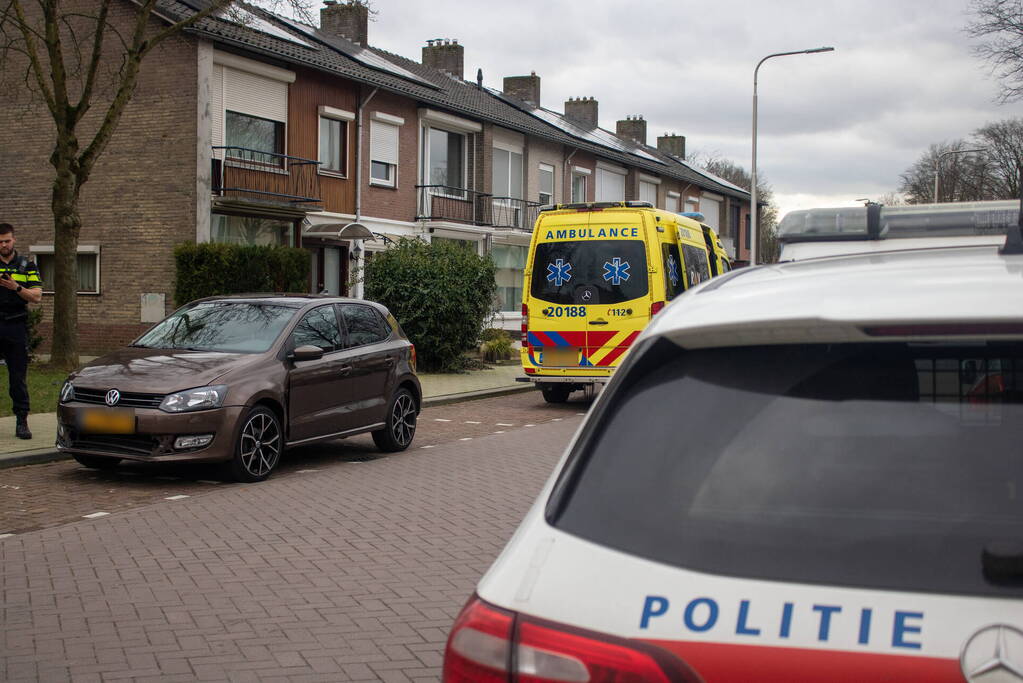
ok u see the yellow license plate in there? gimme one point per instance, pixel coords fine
(108, 421)
(561, 356)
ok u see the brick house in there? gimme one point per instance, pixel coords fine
(258, 129)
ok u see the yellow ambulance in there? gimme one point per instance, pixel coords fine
(596, 273)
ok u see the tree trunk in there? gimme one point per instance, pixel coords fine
(67, 225)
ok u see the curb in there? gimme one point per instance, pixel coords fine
(44, 455)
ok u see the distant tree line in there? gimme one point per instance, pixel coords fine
(964, 175)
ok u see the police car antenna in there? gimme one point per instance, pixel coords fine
(1014, 238)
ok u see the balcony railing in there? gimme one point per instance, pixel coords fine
(243, 173)
(461, 205)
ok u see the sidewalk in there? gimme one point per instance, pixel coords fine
(437, 389)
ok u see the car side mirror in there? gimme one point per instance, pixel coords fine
(307, 352)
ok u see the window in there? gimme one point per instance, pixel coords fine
(251, 230)
(610, 185)
(546, 182)
(697, 267)
(609, 271)
(254, 139)
(578, 187)
(318, 328)
(445, 161)
(838, 464)
(383, 149)
(510, 260)
(671, 204)
(364, 325)
(507, 173)
(88, 268)
(648, 192)
(673, 279)
(333, 145)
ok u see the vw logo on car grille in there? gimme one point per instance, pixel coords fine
(996, 649)
(112, 397)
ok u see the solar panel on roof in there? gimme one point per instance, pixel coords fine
(597, 136)
(362, 55)
(243, 17)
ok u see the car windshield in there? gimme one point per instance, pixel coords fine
(889, 466)
(610, 271)
(236, 327)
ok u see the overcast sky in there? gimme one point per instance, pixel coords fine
(833, 127)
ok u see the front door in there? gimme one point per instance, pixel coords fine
(330, 272)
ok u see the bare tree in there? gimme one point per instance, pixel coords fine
(767, 247)
(998, 24)
(1003, 153)
(70, 57)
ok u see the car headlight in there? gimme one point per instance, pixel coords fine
(200, 398)
(67, 392)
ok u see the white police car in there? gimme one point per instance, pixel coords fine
(810, 471)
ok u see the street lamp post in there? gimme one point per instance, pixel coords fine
(937, 165)
(754, 238)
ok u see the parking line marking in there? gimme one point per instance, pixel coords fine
(178, 497)
(94, 515)
(529, 425)
(467, 438)
(557, 419)
(305, 471)
(6, 535)
(472, 422)
(580, 413)
(440, 419)
(426, 446)
(505, 424)
(499, 431)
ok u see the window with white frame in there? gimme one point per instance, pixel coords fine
(445, 161)
(334, 140)
(507, 174)
(250, 100)
(510, 260)
(648, 192)
(579, 181)
(610, 184)
(383, 149)
(87, 261)
(672, 202)
(546, 183)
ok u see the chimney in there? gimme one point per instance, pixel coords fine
(632, 128)
(582, 110)
(526, 88)
(346, 19)
(444, 55)
(674, 145)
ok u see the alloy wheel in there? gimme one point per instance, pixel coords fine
(403, 419)
(260, 445)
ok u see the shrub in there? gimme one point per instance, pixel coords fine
(212, 269)
(440, 292)
(35, 316)
(497, 345)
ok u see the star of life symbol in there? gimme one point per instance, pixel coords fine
(995, 654)
(559, 272)
(673, 270)
(616, 271)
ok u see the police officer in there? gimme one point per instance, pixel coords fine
(20, 285)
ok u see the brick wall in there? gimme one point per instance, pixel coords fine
(140, 200)
(385, 202)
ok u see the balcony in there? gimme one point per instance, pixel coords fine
(264, 177)
(461, 205)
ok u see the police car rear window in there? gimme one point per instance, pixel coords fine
(589, 271)
(886, 466)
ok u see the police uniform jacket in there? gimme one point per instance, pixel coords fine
(25, 273)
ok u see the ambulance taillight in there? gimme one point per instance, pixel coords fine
(484, 638)
(525, 325)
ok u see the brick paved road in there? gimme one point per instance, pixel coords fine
(350, 572)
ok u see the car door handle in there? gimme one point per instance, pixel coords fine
(344, 369)
(598, 322)
(389, 362)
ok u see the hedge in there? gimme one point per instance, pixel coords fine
(441, 293)
(213, 269)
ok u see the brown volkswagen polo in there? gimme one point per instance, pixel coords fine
(240, 379)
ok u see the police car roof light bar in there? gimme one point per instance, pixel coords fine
(1014, 238)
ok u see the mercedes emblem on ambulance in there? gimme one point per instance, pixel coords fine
(112, 397)
(994, 653)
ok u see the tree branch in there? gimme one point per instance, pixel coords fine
(28, 35)
(85, 101)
